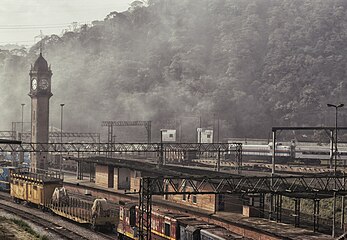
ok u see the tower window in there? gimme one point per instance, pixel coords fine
(34, 115)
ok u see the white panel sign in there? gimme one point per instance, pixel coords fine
(206, 136)
(168, 135)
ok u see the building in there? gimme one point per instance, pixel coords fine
(40, 93)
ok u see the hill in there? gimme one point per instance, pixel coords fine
(250, 63)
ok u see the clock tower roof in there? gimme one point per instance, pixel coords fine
(41, 64)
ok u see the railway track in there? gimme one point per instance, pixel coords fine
(63, 233)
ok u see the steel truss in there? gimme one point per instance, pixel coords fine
(94, 136)
(119, 147)
(279, 185)
(111, 124)
(145, 203)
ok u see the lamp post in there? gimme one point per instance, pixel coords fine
(336, 109)
(335, 170)
(21, 137)
(61, 136)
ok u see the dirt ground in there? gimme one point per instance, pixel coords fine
(9, 230)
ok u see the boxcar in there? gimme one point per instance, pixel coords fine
(36, 188)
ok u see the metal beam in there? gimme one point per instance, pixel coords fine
(146, 124)
(275, 185)
(307, 128)
(119, 147)
(93, 136)
(286, 185)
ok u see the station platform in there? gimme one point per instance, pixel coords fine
(256, 228)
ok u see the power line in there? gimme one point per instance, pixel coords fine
(32, 28)
(32, 25)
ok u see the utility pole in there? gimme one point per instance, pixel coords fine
(61, 137)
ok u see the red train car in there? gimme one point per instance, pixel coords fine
(165, 225)
(169, 226)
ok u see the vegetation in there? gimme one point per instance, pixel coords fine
(24, 226)
(250, 63)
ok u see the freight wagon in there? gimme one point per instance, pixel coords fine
(40, 189)
(169, 225)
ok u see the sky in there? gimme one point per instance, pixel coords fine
(22, 20)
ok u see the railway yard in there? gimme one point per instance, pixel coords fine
(119, 178)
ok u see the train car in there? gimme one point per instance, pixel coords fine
(219, 233)
(192, 231)
(36, 188)
(165, 225)
(5, 178)
(127, 227)
(98, 214)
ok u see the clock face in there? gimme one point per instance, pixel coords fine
(44, 84)
(34, 84)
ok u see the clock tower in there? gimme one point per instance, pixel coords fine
(40, 93)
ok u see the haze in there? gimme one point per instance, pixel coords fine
(22, 20)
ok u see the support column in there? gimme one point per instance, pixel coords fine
(109, 141)
(297, 212)
(273, 152)
(90, 172)
(262, 204)
(334, 216)
(79, 170)
(316, 215)
(271, 209)
(342, 212)
(218, 161)
(331, 150)
(278, 207)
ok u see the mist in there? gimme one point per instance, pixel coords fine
(230, 60)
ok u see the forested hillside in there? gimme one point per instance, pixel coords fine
(251, 63)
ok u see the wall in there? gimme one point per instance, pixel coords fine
(124, 176)
(115, 179)
(135, 180)
(206, 201)
(101, 175)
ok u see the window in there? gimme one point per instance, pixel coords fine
(208, 136)
(121, 212)
(194, 199)
(167, 229)
(170, 135)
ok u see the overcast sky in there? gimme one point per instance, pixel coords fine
(22, 20)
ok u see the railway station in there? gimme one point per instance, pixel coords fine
(180, 176)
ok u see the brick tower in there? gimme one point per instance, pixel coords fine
(40, 93)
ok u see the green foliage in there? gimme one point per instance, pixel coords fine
(253, 63)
